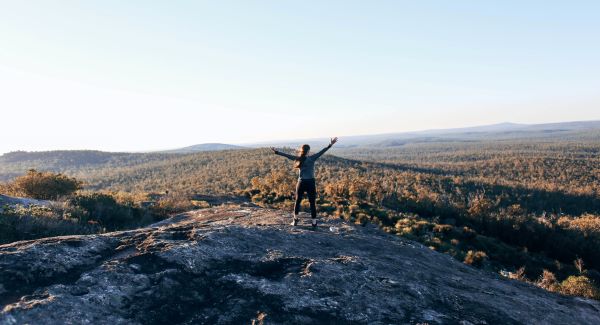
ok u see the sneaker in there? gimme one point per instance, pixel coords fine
(314, 223)
(294, 222)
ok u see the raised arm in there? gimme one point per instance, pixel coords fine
(283, 154)
(320, 153)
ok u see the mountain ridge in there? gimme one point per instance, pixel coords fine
(368, 139)
(454, 134)
(204, 147)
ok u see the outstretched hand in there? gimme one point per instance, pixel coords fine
(333, 141)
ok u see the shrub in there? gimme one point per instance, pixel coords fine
(422, 227)
(588, 224)
(104, 209)
(88, 213)
(518, 275)
(361, 219)
(468, 233)
(200, 204)
(23, 223)
(548, 281)
(45, 185)
(579, 286)
(475, 258)
(443, 229)
(479, 205)
(326, 208)
(173, 203)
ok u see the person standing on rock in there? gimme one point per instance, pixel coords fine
(305, 164)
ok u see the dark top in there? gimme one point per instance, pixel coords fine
(307, 170)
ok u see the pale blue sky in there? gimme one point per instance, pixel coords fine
(141, 75)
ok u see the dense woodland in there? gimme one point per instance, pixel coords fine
(529, 209)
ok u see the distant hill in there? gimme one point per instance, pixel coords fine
(82, 163)
(205, 147)
(503, 131)
(16, 163)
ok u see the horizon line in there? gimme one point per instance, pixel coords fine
(266, 142)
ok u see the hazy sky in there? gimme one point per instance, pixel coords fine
(139, 75)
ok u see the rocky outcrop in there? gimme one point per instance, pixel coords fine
(12, 201)
(245, 265)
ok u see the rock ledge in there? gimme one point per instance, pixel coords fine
(239, 265)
